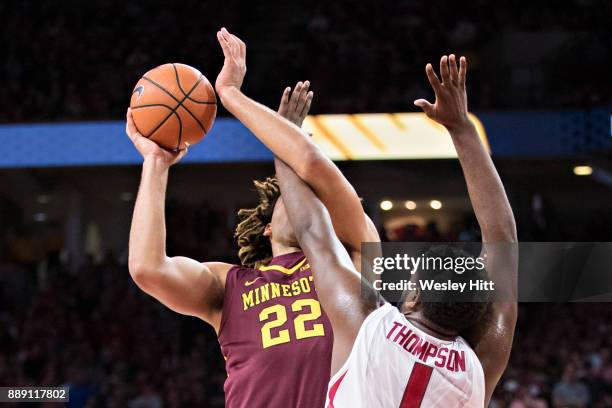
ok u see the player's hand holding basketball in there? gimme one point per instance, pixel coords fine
(234, 66)
(450, 107)
(148, 148)
(294, 106)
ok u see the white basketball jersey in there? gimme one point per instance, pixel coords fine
(395, 364)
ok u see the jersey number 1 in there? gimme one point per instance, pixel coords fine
(417, 385)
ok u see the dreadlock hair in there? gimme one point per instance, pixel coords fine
(254, 248)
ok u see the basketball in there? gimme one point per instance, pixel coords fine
(173, 104)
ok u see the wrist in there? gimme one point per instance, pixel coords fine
(465, 125)
(155, 163)
(227, 92)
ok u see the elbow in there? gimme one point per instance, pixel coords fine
(139, 273)
(312, 164)
(303, 230)
(509, 229)
(143, 273)
(504, 231)
(311, 236)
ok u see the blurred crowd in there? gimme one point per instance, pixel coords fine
(114, 346)
(561, 358)
(94, 331)
(66, 62)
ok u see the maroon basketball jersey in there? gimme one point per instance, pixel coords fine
(275, 338)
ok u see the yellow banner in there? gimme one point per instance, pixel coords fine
(376, 136)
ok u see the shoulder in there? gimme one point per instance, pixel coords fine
(371, 232)
(225, 276)
(384, 313)
(219, 270)
(229, 274)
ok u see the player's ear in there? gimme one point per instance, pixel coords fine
(417, 300)
(268, 230)
(412, 302)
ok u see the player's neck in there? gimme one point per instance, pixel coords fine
(429, 327)
(279, 248)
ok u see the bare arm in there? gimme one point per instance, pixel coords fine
(492, 340)
(289, 143)
(182, 284)
(337, 282)
(294, 107)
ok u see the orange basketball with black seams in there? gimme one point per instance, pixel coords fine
(173, 104)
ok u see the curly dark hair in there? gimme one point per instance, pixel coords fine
(452, 310)
(254, 248)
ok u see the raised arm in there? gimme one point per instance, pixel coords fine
(337, 282)
(289, 143)
(182, 284)
(492, 340)
(485, 188)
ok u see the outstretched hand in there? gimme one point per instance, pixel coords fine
(294, 106)
(234, 66)
(450, 107)
(148, 148)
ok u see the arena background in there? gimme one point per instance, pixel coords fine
(69, 311)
